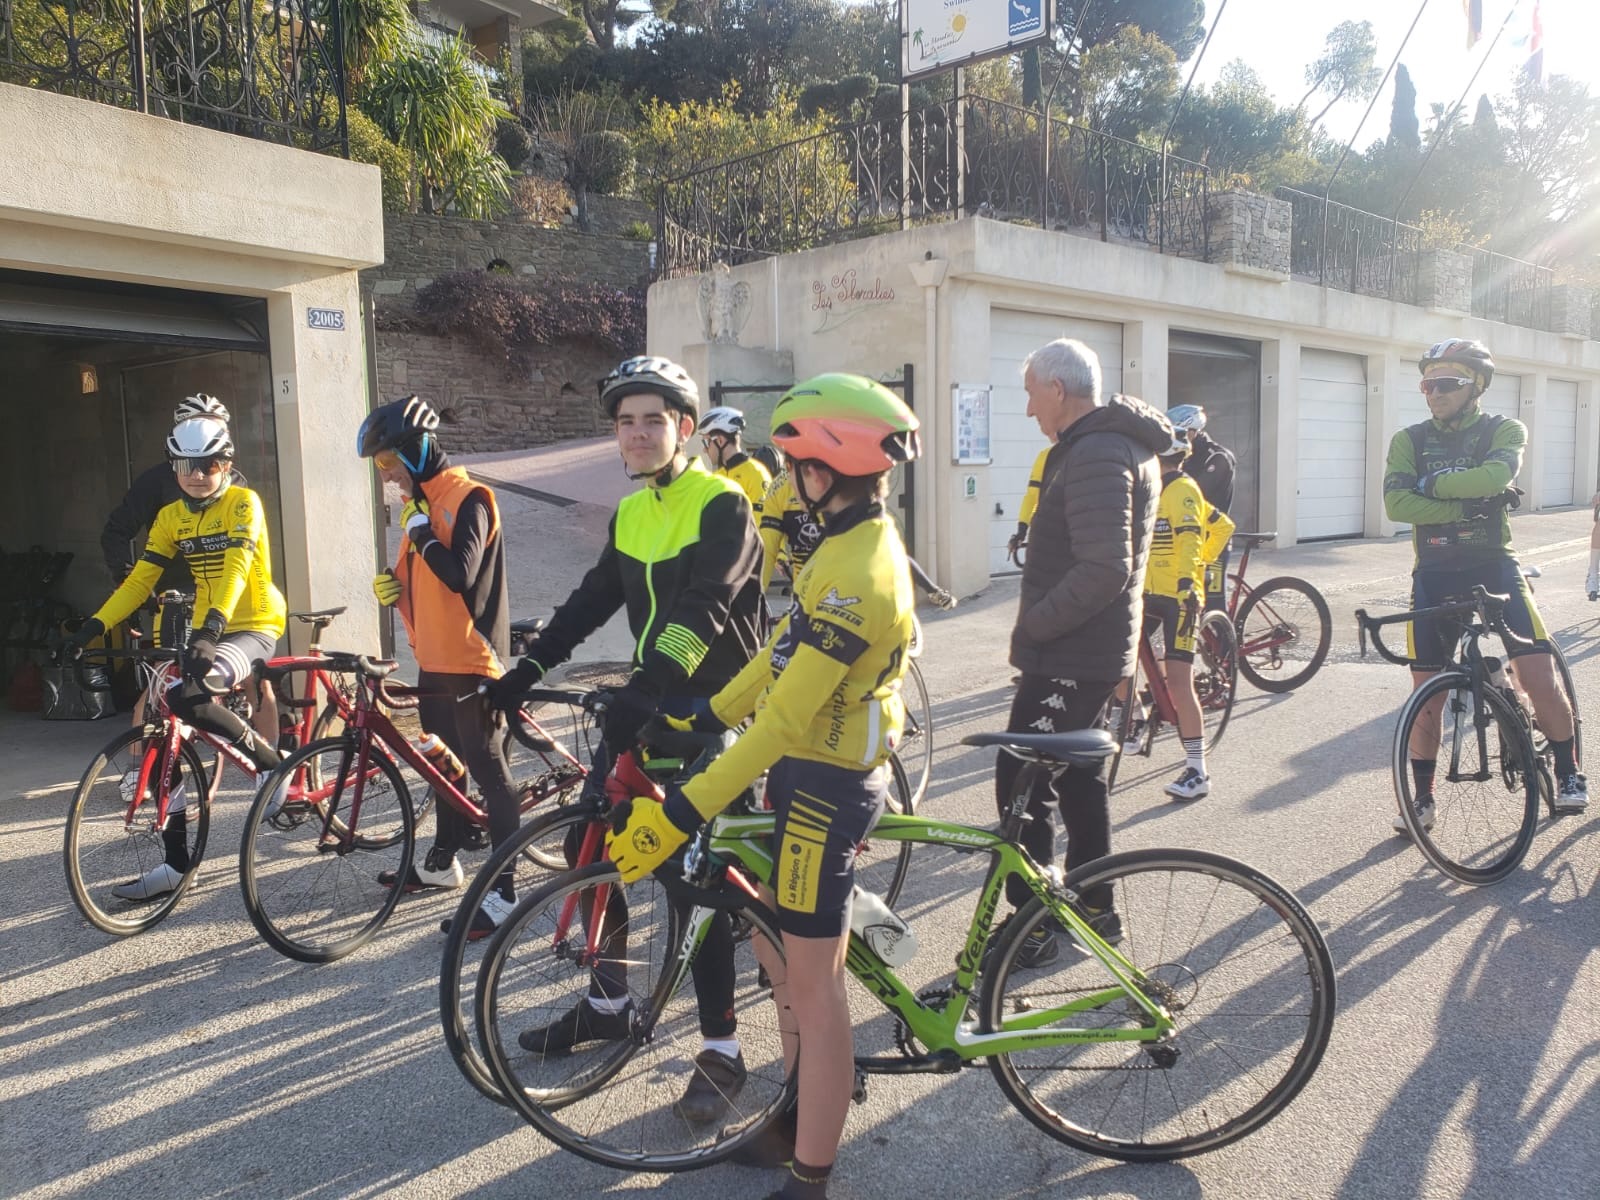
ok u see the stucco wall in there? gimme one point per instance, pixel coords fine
(993, 265)
(119, 195)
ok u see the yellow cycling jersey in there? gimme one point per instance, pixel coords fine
(751, 477)
(827, 686)
(1030, 498)
(227, 550)
(1188, 533)
(787, 528)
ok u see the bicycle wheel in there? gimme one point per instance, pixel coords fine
(540, 774)
(1216, 674)
(537, 844)
(330, 723)
(1233, 957)
(882, 864)
(310, 869)
(614, 1102)
(1126, 723)
(916, 742)
(1485, 784)
(108, 846)
(1284, 633)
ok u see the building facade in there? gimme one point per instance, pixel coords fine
(1305, 382)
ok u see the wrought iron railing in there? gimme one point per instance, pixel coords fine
(958, 157)
(268, 69)
(1354, 251)
(1510, 290)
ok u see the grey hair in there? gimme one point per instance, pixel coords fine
(1071, 364)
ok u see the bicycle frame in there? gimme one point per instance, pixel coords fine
(943, 1030)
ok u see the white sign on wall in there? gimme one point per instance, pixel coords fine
(936, 35)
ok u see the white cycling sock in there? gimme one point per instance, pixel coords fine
(1594, 561)
(727, 1047)
(1194, 753)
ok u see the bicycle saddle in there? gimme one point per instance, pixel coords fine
(1077, 747)
(527, 625)
(322, 615)
(1255, 539)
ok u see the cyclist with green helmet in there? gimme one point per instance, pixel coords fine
(825, 695)
(1450, 478)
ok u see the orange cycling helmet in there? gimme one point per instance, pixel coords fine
(852, 425)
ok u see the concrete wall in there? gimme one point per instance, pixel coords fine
(119, 195)
(993, 265)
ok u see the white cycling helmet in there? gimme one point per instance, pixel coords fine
(200, 405)
(1180, 443)
(723, 420)
(1187, 416)
(649, 373)
(200, 437)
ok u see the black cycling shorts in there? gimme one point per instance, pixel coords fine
(1177, 625)
(1426, 643)
(824, 812)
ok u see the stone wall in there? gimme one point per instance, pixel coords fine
(500, 410)
(1250, 233)
(1571, 310)
(551, 402)
(1443, 279)
(418, 249)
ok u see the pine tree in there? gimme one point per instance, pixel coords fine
(1404, 131)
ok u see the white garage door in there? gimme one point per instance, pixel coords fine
(1558, 443)
(1014, 437)
(1332, 453)
(1504, 397)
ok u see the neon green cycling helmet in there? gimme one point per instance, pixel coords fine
(851, 424)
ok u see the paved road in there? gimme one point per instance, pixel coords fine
(195, 1062)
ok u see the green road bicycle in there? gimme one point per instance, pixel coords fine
(1203, 1021)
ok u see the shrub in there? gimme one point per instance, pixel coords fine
(368, 145)
(493, 312)
(543, 201)
(639, 231)
(513, 143)
(609, 157)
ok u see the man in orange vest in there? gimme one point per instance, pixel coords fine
(449, 587)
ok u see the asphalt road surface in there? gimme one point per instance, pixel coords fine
(193, 1061)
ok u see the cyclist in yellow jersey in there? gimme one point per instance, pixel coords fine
(1030, 503)
(721, 431)
(789, 531)
(1188, 534)
(220, 530)
(825, 695)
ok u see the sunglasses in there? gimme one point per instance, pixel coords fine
(387, 460)
(1443, 385)
(199, 466)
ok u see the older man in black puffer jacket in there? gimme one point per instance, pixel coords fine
(1082, 599)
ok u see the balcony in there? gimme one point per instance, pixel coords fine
(265, 69)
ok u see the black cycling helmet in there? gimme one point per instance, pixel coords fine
(404, 426)
(649, 373)
(1462, 352)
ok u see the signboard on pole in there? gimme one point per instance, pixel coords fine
(936, 35)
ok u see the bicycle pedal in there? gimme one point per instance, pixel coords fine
(476, 838)
(858, 1094)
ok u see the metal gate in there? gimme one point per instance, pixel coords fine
(731, 393)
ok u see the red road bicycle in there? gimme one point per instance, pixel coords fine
(338, 813)
(126, 804)
(1283, 625)
(1216, 682)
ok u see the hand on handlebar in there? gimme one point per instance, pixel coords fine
(941, 598)
(506, 692)
(645, 833)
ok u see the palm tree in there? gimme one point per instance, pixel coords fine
(434, 100)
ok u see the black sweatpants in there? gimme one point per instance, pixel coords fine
(469, 724)
(1044, 705)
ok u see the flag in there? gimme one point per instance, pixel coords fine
(1474, 11)
(1534, 67)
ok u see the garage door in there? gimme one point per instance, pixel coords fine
(1014, 436)
(1558, 444)
(1331, 458)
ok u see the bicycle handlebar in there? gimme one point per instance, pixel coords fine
(1484, 604)
(152, 654)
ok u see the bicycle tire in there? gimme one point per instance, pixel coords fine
(1259, 604)
(585, 1113)
(295, 927)
(1217, 686)
(1123, 733)
(456, 980)
(1257, 933)
(916, 742)
(97, 805)
(330, 723)
(538, 773)
(1460, 824)
(1564, 677)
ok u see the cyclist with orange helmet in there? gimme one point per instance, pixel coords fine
(825, 695)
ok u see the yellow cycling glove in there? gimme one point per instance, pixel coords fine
(416, 509)
(647, 840)
(386, 588)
